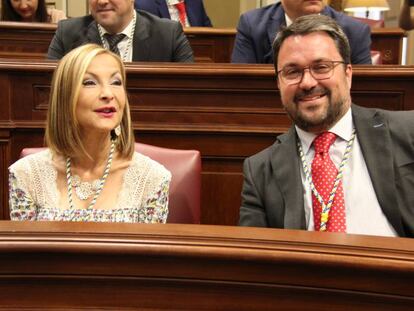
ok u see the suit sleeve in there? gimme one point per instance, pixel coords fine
(361, 46)
(56, 49)
(206, 19)
(182, 50)
(252, 212)
(243, 50)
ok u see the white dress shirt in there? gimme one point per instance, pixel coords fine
(363, 212)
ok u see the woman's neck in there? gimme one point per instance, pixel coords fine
(97, 147)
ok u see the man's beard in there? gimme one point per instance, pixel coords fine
(333, 113)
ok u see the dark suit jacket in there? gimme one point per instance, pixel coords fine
(155, 39)
(272, 194)
(196, 13)
(258, 28)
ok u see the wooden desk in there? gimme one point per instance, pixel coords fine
(31, 41)
(211, 45)
(25, 40)
(226, 111)
(78, 266)
(389, 41)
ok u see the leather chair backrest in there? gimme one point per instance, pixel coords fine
(185, 186)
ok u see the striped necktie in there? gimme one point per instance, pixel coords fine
(113, 41)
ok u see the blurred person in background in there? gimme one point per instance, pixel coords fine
(117, 26)
(190, 13)
(406, 20)
(29, 11)
(258, 28)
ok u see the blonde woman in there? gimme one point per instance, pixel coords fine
(89, 172)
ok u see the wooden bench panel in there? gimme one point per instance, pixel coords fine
(228, 112)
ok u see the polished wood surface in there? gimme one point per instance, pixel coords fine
(389, 41)
(227, 112)
(211, 45)
(31, 41)
(78, 266)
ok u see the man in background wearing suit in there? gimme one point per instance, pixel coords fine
(340, 167)
(195, 15)
(134, 35)
(258, 28)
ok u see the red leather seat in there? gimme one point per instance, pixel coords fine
(185, 187)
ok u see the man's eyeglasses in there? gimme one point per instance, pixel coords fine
(322, 70)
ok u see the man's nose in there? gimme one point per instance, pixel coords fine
(307, 81)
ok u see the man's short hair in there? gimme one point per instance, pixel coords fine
(314, 23)
(63, 134)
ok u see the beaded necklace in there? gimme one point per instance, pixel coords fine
(326, 207)
(102, 179)
(130, 39)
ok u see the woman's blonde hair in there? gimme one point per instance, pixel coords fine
(63, 134)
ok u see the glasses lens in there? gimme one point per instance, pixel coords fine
(321, 70)
(292, 74)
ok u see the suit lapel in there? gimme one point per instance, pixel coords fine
(93, 34)
(191, 15)
(140, 42)
(374, 138)
(90, 34)
(286, 167)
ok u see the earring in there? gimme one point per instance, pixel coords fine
(118, 130)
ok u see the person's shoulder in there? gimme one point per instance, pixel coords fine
(41, 158)
(76, 22)
(55, 15)
(151, 20)
(143, 162)
(147, 16)
(146, 4)
(344, 20)
(265, 12)
(396, 119)
(403, 117)
(264, 156)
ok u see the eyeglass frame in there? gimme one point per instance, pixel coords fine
(333, 63)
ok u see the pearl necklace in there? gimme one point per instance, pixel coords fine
(130, 39)
(91, 188)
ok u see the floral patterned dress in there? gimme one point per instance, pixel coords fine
(34, 196)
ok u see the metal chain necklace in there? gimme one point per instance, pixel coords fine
(101, 184)
(326, 207)
(130, 39)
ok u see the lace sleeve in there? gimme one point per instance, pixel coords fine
(156, 207)
(21, 204)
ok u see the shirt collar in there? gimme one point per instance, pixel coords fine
(288, 20)
(173, 2)
(343, 129)
(127, 30)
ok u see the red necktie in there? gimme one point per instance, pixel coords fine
(323, 176)
(181, 11)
